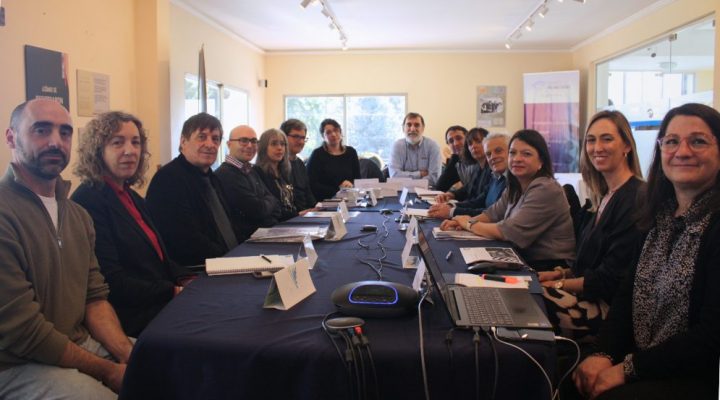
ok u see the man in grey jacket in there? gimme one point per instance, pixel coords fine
(59, 337)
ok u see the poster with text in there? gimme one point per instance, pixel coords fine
(46, 75)
(490, 106)
(552, 108)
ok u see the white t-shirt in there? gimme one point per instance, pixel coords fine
(51, 205)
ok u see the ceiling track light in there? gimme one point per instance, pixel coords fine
(540, 11)
(328, 13)
(543, 11)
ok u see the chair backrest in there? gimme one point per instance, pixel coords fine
(368, 170)
(579, 213)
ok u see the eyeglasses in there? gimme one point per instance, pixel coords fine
(696, 143)
(279, 143)
(298, 137)
(244, 140)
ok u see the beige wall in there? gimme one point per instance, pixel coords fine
(647, 28)
(98, 36)
(227, 60)
(440, 86)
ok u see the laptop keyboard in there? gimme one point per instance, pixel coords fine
(485, 307)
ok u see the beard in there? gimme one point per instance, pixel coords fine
(43, 168)
(413, 139)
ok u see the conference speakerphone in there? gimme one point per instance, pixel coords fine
(374, 299)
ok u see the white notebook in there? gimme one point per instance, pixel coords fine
(241, 265)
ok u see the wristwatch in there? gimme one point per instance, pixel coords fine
(470, 223)
(559, 284)
(629, 368)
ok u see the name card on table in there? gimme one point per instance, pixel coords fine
(373, 197)
(310, 252)
(366, 183)
(290, 286)
(403, 196)
(337, 228)
(343, 210)
(409, 261)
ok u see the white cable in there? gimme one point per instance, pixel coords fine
(549, 382)
(571, 369)
(422, 346)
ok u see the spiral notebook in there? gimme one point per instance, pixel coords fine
(243, 265)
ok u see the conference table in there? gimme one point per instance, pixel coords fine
(216, 341)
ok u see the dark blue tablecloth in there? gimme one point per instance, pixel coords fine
(215, 341)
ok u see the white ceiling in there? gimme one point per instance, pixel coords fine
(398, 25)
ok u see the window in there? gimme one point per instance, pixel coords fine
(228, 104)
(647, 82)
(370, 123)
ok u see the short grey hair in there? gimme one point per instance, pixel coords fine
(498, 135)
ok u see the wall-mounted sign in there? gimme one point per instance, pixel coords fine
(46, 75)
(93, 93)
(491, 106)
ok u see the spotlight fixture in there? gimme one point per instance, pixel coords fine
(529, 25)
(328, 13)
(507, 45)
(543, 11)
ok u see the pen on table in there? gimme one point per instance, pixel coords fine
(500, 278)
(449, 254)
(265, 258)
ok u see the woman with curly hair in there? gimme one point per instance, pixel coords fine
(113, 156)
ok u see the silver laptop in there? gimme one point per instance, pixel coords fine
(483, 306)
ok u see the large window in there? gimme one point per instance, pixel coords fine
(228, 104)
(646, 82)
(370, 123)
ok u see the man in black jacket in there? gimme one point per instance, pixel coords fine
(251, 203)
(186, 200)
(296, 132)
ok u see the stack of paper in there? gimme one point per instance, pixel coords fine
(455, 235)
(284, 234)
(492, 254)
(244, 265)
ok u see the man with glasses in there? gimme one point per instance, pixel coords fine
(296, 132)
(186, 199)
(251, 203)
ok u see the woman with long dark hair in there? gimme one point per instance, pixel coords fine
(533, 212)
(332, 166)
(661, 339)
(273, 166)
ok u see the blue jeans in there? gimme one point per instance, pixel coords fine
(43, 381)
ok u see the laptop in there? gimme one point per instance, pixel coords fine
(483, 306)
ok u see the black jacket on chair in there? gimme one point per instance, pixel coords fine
(182, 214)
(140, 282)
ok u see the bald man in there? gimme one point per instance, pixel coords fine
(250, 202)
(59, 337)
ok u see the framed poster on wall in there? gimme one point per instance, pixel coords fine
(491, 106)
(46, 75)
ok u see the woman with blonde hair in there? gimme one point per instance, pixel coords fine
(578, 297)
(113, 156)
(273, 166)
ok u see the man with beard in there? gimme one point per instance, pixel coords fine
(59, 337)
(415, 156)
(186, 199)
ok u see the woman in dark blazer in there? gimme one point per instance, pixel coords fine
(112, 157)
(578, 298)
